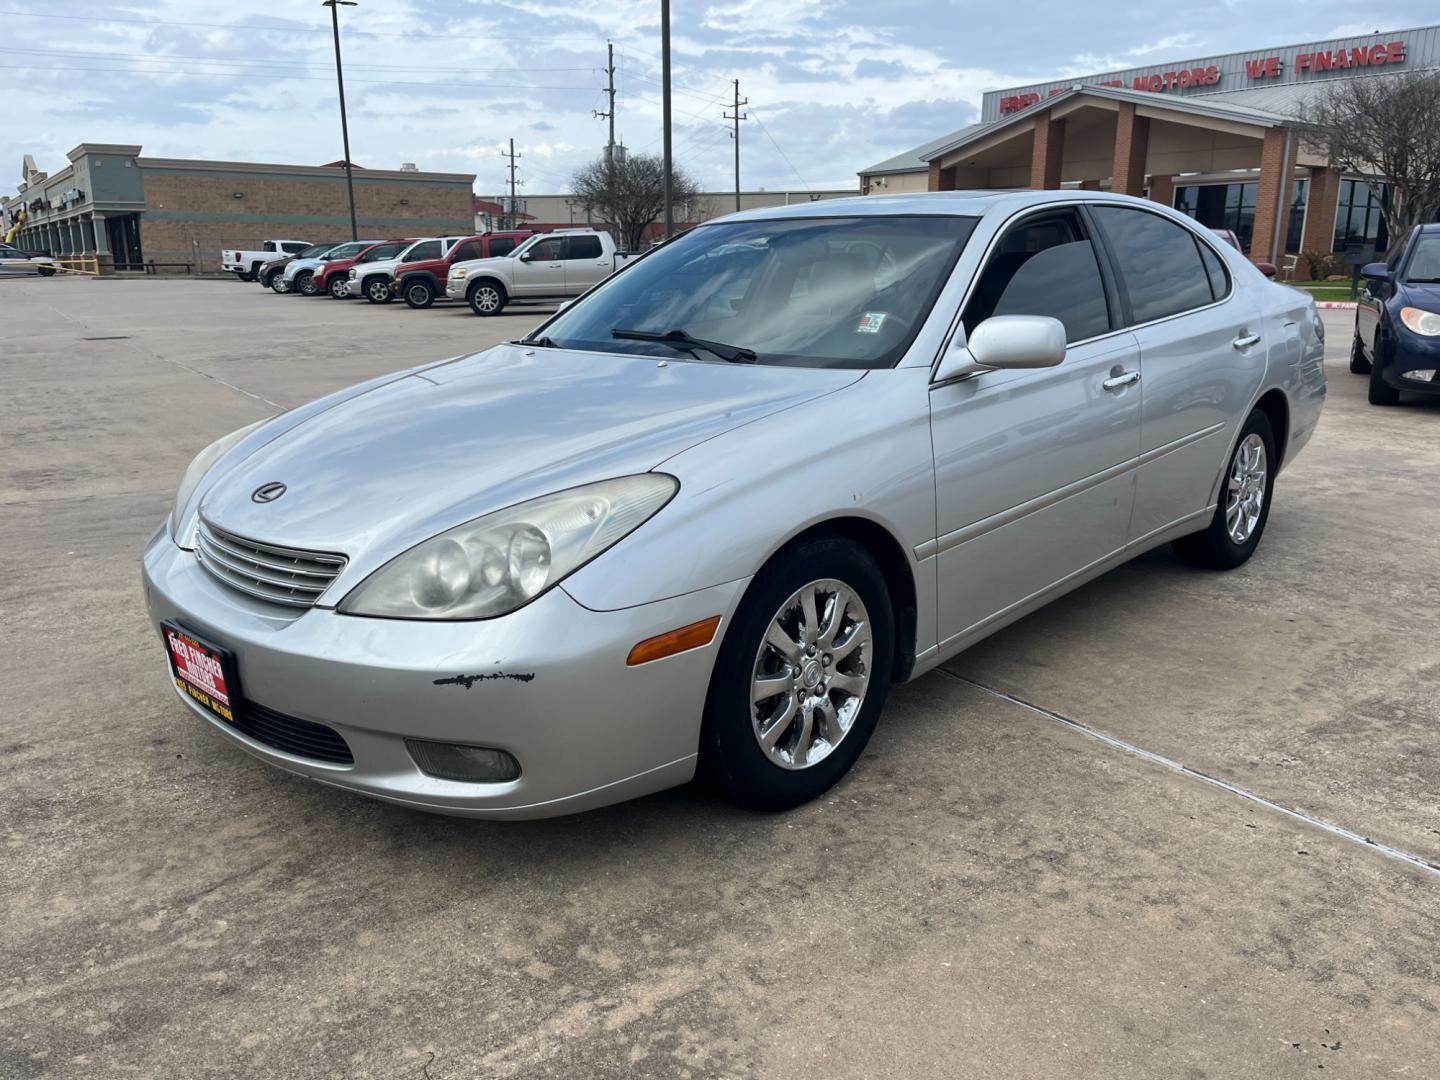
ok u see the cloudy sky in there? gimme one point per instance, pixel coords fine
(834, 85)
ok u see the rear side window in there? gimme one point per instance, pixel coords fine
(1215, 271)
(501, 245)
(293, 248)
(383, 251)
(269, 245)
(1158, 262)
(583, 247)
(1044, 266)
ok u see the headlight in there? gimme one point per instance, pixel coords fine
(456, 275)
(353, 275)
(500, 562)
(1319, 325)
(1426, 323)
(199, 467)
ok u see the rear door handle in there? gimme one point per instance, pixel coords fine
(1117, 382)
(1246, 341)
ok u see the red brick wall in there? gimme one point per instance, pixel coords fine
(1049, 152)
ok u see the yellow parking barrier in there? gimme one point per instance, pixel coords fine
(87, 265)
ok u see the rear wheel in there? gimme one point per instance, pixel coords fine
(247, 275)
(1359, 365)
(338, 289)
(1244, 506)
(801, 676)
(1380, 392)
(47, 271)
(305, 283)
(419, 295)
(486, 297)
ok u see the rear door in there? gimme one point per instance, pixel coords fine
(585, 263)
(1033, 468)
(1202, 355)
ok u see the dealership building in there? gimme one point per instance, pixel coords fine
(169, 215)
(1214, 137)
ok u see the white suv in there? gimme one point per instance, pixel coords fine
(375, 280)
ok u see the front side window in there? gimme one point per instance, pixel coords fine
(429, 249)
(547, 250)
(807, 292)
(1046, 265)
(583, 247)
(1158, 261)
(1424, 265)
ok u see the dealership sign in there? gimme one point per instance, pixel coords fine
(1296, 63)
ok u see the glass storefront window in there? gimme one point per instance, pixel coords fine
(1358, 219)
(1232, 206)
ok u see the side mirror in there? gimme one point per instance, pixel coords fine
(1267, 268)
(527, 257)
(1376, 271)
(1002, 342)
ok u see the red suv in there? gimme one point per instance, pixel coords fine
(421, 282)
(334, 276)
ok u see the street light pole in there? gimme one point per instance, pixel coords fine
(665, 113)
(334, 6)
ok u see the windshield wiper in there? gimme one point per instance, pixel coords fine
(679, 339)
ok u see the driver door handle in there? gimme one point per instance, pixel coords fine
(1123, 379)
(1245, 341)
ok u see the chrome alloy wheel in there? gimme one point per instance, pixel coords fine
(487, 299)
(811, 673)
(1245, 497)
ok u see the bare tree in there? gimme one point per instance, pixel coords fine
(1384, 129)
(631, 197)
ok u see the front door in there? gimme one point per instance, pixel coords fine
(540, 270)
(1034, 469)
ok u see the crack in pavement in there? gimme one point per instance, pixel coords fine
(1195, 774)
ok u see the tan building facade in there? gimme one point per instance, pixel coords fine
(1215, 138)
(165, 215)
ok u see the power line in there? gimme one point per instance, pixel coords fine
(803, 182)
(439, 83)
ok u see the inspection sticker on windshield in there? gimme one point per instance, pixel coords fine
(871, 322)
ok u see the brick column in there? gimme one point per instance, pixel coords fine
(1162, 190)
(933, 183)
(1132, 147)
(1320, 207)
(941, 179)
(1267, 195)
(1089, 185)
(1048, 153)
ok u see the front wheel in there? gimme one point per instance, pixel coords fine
(47, 271)
(277, 283)
(1379, 391)
(801, 676)
(419, 295)
(338, 288)
(1359, 365)
(1244, 506)
(378, 291)
(305, 283)
(487, 298)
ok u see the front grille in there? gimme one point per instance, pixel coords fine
(280, 575)
(299, 737)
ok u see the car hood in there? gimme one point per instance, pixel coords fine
(1423, 296)
(478, 264)
(383, 470)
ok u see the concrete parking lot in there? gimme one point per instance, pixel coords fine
(993, 892)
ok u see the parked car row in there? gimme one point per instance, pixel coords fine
(487, 271)
(18, 260)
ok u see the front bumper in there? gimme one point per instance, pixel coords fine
(1410, 351)
(455, 290)
(586, 729)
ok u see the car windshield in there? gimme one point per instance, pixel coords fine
(1424, 261)
(349, 251)
(314, 251)
(806, 292)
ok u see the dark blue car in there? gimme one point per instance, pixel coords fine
(1397, 322)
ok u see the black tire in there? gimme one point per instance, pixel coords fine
(246, 275)
(1214, 548)
(1380, 392)
(338, 288)
(46, 271)
(419, 295)
(378, 291)
(305, 283)
(730, 752)
(487, 298)
(1359, 365)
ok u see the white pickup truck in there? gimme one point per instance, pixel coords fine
(556, 265)
(247, 263)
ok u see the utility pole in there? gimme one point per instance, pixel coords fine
(737, 116)
(610, 143)
(669, 195)
(334, 6)
(511, 211)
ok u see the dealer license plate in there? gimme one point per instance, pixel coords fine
(202, 671)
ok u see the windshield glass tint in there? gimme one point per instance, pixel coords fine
(1425, 262)
(813, 292)
(348, 251)
(314, 252)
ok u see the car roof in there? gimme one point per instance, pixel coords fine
(957, 203)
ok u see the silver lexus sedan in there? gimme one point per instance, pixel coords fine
(701, 519)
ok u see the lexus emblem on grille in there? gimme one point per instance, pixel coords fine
(266, 493)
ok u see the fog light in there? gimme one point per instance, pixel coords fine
(1424, 375)
(471, 764)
